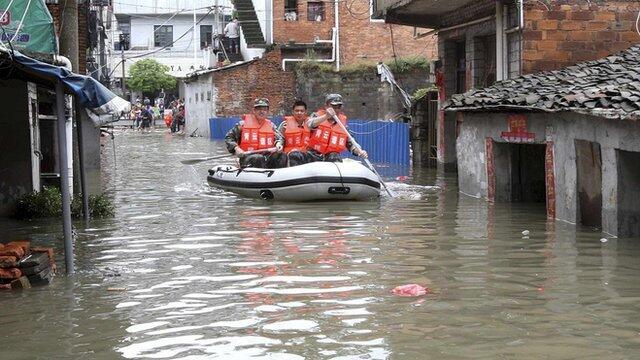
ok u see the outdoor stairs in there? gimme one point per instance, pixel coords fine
(248, 20)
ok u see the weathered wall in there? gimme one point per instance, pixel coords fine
(239, 86)
(301, 30)
(15, 150)
(365, 96)
(566, 32)
(200, 96)
(562, 129)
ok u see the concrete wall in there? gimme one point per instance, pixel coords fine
(142, 34)
(15, 149)
(562, 129)
(201, 97)
(365, 96)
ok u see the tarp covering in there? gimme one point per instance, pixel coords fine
(99, 101)
(28, 25)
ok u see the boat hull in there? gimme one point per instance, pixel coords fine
(349, 180)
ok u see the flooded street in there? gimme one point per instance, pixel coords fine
(205, 274)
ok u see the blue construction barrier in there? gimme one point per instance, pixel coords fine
(386, 142)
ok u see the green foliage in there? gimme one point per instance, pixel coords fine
(48, 203)
(150, 76)
(408, 64)
(308, 67)
(422, 92)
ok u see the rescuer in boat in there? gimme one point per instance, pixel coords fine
(256, 132)
(328, 139)
(295, 131)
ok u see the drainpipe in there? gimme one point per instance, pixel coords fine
(333, 51)
(62, 61)
(337, 34)
(500, 72)
(64, 178)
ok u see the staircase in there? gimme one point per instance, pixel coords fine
(249, 22)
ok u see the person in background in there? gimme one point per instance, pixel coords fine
(328, 139)
(180, 119)
(295, 131)
(256, 132)
(232, 32)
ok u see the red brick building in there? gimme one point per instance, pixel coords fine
(54, 9)
(484, 41)
(298, 24)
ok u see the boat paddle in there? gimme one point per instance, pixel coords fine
(195, 161)
(366, 161)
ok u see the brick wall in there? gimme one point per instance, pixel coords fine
(567, 32)
(360, 38)
(364, 95)
(301, 30)
(54, 9)
(364, 40)
(237, 87)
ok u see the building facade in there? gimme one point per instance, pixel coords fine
(569, 139)
(481, 42)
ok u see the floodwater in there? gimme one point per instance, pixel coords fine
(203, 274)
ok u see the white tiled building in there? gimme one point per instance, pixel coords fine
(163, 30)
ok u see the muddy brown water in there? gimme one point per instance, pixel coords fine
(209, 275)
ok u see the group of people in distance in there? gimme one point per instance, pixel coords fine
(298, 140)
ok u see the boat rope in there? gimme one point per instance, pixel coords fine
(339, 172)
(370, 132)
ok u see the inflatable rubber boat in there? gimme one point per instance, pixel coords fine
(349, 180)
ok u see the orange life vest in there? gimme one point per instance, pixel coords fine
(329, 137)
(255, 136)
(296, 137)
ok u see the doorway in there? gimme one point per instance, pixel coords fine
(589, 183)
(520, 172)
(628, 193)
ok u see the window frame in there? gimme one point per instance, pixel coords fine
(157, 32)
(322, 6)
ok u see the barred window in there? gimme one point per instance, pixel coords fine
(163, 35)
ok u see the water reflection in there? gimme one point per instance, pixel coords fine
(211, 275)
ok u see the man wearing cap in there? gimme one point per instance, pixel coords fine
(256, 132)
(328, 138)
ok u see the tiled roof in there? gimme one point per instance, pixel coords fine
(609, 87)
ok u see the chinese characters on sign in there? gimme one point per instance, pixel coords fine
(518, 130)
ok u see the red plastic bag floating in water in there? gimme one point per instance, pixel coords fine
(402, 178)
(410, 290)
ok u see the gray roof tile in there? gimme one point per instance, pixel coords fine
(608, 87)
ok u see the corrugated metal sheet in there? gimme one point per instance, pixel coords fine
(386, 142)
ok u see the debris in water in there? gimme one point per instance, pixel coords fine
(116, 289)
(603, 240)
(410, 290)
(525, 233)
(402, 178)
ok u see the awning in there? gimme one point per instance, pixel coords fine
(99, 101)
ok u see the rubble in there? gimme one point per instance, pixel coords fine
(23, 266)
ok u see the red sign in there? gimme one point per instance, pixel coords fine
(518, 132)
(5, 18)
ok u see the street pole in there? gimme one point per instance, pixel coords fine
(123, 77)
(195, 45)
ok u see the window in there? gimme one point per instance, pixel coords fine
(206, 34)
(514, 39)
(315, 11)
(376, 10)
(290, 10)
(162, 35)
(209, 95)
(484, 61)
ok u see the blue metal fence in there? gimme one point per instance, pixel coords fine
(386, 142)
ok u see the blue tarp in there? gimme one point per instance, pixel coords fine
(386, 142)
(92, 95)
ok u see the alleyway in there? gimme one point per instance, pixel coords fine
(204, 274)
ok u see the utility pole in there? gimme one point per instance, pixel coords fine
(68, 32)
(123, 42)
(195, 45)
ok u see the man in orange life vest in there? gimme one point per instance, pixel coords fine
(256, 132)
(296, 134)
(328, 139)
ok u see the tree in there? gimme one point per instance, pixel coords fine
(150, 76)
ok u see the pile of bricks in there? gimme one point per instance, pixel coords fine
(23, 266)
